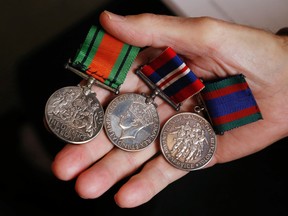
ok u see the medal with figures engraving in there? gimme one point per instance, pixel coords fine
(130, 122)
(187, 141)
(74, 114)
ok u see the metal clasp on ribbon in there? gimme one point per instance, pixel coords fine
(170, 78)
(90, 79)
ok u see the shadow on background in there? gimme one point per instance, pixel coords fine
(255, 184)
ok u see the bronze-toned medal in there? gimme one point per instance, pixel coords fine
(188, 141)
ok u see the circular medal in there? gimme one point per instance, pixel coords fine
(74, 114)
(187, 141)
(130, 123)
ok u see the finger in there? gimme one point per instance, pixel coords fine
(161, 31)
(116, 165)
(154, 177)
(73, 159)
(226, 44)
(142, 30)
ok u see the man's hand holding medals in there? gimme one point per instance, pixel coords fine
(191, 99)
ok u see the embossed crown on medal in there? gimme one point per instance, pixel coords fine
(131, 120)
(74, 113)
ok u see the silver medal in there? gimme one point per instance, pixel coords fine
(188, 141)
(74, 114)
(130, 122)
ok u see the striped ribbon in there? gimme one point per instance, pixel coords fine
(171, 75)
(105, 58)
(230, 103)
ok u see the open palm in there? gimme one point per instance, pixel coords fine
(212, 49)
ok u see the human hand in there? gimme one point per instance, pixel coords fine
(212, 49)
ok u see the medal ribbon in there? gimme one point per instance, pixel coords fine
(230, 103)
(171, 75)
(105, 58)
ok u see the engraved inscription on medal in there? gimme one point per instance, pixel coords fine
(74, 115)
(130, 123)
(188, 141)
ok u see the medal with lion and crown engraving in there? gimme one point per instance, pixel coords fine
(74, 113)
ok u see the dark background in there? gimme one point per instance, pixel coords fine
(36, 40)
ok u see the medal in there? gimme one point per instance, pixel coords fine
(188, 141)
(74, 113)
(131, 120)
(131, 123)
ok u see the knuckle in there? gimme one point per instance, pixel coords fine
(209, 30)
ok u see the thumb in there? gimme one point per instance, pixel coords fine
(158, 31)
(219, 44)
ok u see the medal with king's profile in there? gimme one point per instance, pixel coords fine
(130, 122)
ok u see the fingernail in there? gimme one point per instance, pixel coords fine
(114, 17)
